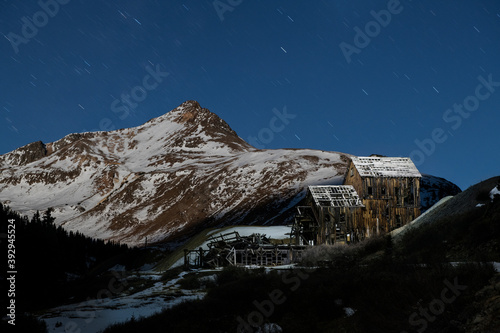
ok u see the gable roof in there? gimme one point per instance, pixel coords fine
(335, 196)
(385, 167)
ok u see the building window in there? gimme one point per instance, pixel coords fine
(352, 172)
(382, 190)
(370, 190)
(411, 198)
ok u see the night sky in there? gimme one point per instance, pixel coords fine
(408, 78)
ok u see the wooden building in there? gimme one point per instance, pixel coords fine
(389, 188)
(231, 249)
(327, 217)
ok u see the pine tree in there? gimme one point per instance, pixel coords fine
(36, 217)
(47, 219)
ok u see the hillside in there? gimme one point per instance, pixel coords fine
(437, 278)
(433, 188)
(464, 227)
(182, 171)
(167, 179)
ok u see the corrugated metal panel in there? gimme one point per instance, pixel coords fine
(385, 167)
(335, 196)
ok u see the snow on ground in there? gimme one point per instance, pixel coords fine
(103, 165)
(421, 219)
(349, 311)
(276, 232)
(496, 265)
(494, 191)
(118, 268)
(97, 314)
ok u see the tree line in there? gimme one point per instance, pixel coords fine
(52, 263)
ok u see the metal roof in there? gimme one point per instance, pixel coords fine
(335, 196)
(385, 167)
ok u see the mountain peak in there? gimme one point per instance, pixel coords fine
(190, 111)
(200, 126)
(27, 154)
(191, 104)
(165, 179)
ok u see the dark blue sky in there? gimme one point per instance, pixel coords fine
(394, 89)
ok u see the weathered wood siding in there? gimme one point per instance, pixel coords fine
(336, 224)
(389, 202)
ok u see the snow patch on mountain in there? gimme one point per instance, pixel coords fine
(166, 179)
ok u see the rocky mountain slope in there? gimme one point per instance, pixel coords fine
(433, 188)
(172, 176)
(179, 171)
(468, 201)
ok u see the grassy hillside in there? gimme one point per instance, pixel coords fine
(375, 286)
(55, 267)
(465, 228)
(379, 297)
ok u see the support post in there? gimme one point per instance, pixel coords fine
(201, 257)
(186, 260)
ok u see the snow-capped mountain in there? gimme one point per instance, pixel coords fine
(433, 188)
(183, 170)
(165, 179)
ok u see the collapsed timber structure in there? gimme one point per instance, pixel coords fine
(379, 194)
(390, 190)
(233, 249)
(327, 216)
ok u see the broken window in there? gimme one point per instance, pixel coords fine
(398, 221)
(411, 195)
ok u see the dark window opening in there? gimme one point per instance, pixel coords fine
(397, 195)
(411, 199)
(398, 221)
(370, 190)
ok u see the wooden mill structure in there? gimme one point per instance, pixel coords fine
(379, 194)
(390, 190)
(233, 249)
(327, 217)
